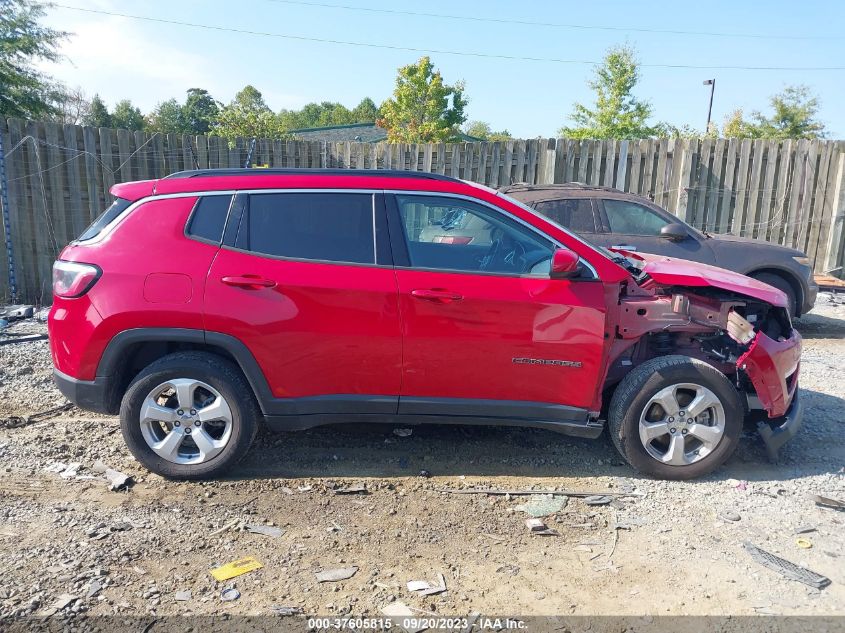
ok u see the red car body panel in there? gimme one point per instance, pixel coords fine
(321, 329)
(773, 368)
(669, 271)
(481, 344)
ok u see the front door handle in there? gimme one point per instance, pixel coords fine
(437, 295)
(248, 281)
(625, 247)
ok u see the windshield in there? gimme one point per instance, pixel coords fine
(616, 258)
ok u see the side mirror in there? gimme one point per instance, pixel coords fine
(675, 232)
(564, 264)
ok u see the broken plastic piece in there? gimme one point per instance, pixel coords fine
(117, 479)
(786, 568)
(230, 595)
(235, 568)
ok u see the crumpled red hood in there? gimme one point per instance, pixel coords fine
(669, 271)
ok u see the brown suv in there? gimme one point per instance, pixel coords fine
(614, 219)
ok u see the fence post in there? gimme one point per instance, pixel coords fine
(7, 226)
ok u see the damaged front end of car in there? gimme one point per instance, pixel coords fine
(737, 325)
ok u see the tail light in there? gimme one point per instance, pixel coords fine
(73, 279)
(452, 239)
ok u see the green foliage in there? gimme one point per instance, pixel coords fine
(328, 113)
(98, 114)
(127, 117)
(423, 109)
(617, 113)
(482, 130)
(196, 116)
(794, 116)
(25, 92)
(365, 112)
(200, 111)
(247, 116)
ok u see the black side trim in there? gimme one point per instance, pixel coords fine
(376, 173)
(115, 351)
(507, 409)
(92, 395)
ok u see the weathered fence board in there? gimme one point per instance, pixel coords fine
(791, 192)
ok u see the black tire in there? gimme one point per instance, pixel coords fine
(783, 285)
(636, 390)
(216, 372)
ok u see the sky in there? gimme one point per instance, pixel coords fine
(149, 62)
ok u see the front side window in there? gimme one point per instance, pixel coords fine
(452, 234)
(576, 215)
(333, 227)
(631, 218)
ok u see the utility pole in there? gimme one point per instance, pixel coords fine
(712, 84)
(7, 226)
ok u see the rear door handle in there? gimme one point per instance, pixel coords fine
(248, 281)
(437, 295)
(625, 247)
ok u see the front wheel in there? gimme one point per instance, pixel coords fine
(189, 415)
(675, 417)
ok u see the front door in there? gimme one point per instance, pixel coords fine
(633, 224)
(303, 287)
(486, 332)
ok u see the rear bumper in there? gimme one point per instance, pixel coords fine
(91, 395)
(779, 431)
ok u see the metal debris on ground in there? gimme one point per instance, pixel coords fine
(266, 530)
(230, 595)
(829, 502)
(235, 568)
(117, 480)
(805, 529)
(403, 432)
(182, 596)
(17, 312)
(597, 500)
(543, 505)
(21, 338)
(15, 422)
(515, 493)
(357, 489)
(786, 568)
(334, 575)
(285, 611)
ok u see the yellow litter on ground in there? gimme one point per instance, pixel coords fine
(803, 543)
(235, 568)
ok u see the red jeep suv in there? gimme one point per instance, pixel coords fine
(200, 304)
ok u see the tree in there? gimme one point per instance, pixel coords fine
(200, 111)
(365, 112)
(167, 118)
(617, 114)
(247, 116)
(423, 109)
(73, 106)
(795, 110)
(24, 91)
(126, 116)
(794, 116)
(98, 114)
(482, 130)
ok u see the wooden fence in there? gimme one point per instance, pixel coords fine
(789, 192)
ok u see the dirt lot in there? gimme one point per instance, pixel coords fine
(666, 549)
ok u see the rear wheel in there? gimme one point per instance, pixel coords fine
(189, 415)
(675, 417)
(783, 285)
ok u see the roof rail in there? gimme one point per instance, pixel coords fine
(240, 171)
(524, 186)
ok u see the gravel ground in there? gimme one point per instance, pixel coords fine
(72, 545)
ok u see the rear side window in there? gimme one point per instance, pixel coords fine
(333, 227)
(209, 218)
(576, 215)
(105, 218)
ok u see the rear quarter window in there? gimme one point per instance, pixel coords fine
(104, 219)
(209, 218)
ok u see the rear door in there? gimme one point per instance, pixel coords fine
(486, 331)
(306, 283)
(576, 214)
(635, 226)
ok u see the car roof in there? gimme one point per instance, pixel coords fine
(528, 193)
(209, 180)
